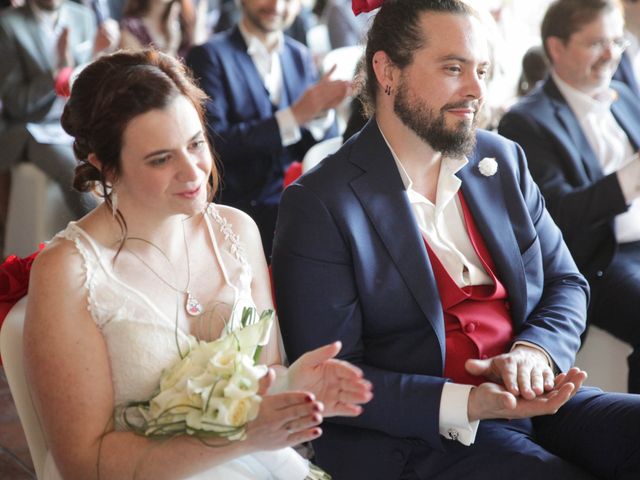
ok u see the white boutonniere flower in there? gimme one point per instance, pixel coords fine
(488, 166)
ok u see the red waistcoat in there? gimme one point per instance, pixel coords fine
(477, 319)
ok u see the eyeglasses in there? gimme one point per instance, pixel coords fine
(615, 46)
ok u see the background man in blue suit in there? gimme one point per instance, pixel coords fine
(267, 106)
(422, 245)
(581, 132)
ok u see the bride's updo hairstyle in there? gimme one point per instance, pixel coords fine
(106, 96)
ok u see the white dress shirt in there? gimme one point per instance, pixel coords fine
(267, 62)
(612, 149)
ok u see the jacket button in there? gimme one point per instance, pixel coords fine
(397, 456)
(599, 273)
(470, 327)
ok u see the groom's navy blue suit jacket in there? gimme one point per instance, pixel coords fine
(581, 198)
(349, 263)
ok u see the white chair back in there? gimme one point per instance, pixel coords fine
(37, 210)
(11, 350)
(319, 151)
(345, 59)
(604, 358)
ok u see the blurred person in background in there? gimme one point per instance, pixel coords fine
(41, 43)
(171, 26)
(267, 106)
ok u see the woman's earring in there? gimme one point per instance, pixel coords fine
(114, 202)
(387, 89)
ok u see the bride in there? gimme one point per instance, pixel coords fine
(114, 293)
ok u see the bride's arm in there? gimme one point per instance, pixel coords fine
(336, 383)
(68, 370)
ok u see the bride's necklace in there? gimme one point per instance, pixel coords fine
(192, 306)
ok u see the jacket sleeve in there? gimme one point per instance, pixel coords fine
(318, 302)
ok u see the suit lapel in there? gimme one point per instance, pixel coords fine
(382, 195)
(251, 76)
(568, 120)
(485, 198)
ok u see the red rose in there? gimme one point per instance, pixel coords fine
(359, 6)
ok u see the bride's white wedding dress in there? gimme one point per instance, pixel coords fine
(141, 341)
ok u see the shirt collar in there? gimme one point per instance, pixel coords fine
(448, 182)
(580, 102)
(255, 45)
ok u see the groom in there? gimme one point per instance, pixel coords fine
(424, 246)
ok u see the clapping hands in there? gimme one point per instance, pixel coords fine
(318, 386)
(339, 385)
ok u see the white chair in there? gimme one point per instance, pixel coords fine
(37, 210)
(11, 351)
(319, 151)
(604, 358)
(345, 59)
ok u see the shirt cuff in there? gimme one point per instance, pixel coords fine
(319, 125)
(289, 128)
(454, 421)
(629, 179)
(540, 349)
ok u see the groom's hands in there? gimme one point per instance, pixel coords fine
(524, 386)
(524, 371)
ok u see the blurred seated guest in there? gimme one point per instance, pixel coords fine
(156, 266)
(345, 28)
(581, 133)
(267, 106)
(231, 11)
(40, 44)
(534, 69)
(163, 25)
(628, 71)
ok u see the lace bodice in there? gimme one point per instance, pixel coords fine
(141, 339)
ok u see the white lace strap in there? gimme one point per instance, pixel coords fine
(235, 246)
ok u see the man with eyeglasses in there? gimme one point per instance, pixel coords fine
(581, 131)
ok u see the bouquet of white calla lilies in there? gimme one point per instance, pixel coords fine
(212, 391)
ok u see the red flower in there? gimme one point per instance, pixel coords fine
(359, 6)
(14, 280)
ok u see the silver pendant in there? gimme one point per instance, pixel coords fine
(193, 306)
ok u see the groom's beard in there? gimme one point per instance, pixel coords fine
(455, 142)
